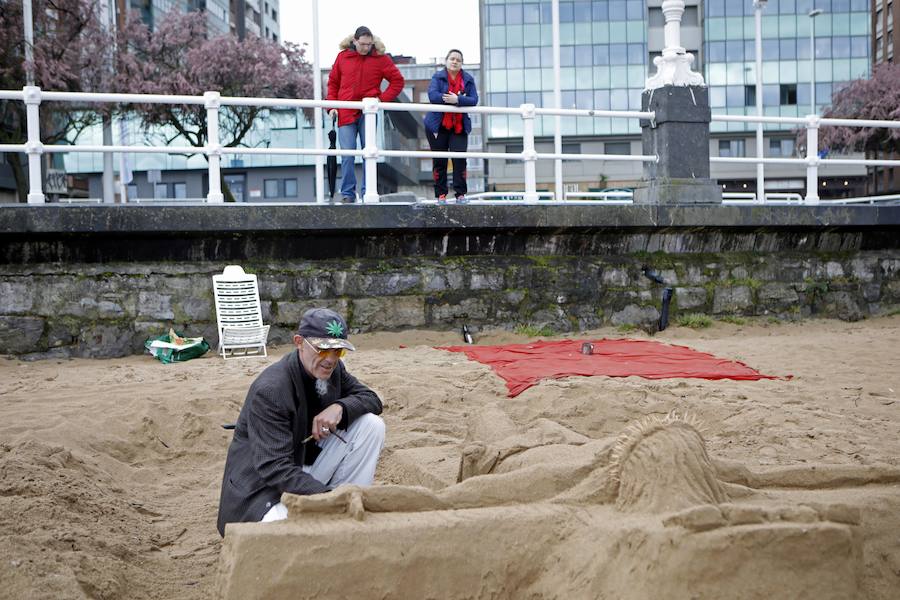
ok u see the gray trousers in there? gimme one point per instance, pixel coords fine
(352, 463)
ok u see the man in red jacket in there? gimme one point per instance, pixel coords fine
(357, 73)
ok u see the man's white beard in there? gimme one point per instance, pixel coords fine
(322, 387)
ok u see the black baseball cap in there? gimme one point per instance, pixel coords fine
(324, 328)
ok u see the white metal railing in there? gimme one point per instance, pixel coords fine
(623, 197)
(213, 150)
(812, 123)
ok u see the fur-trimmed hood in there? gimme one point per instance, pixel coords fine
(347, 44)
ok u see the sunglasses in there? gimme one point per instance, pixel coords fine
(339, 352)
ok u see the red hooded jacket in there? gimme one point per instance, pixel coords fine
(356, 76)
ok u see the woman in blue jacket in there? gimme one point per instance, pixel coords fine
(447, 131)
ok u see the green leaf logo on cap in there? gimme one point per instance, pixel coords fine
(334, 328)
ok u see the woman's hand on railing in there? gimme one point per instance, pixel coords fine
(450, 98)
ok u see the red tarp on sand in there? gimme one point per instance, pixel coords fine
(522, 365)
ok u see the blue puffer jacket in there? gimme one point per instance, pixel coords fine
(439, 86)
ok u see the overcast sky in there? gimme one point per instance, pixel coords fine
(422, 28)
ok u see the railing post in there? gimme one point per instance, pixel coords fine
(370, 152)
(317, 112)
(33, 147)
(812, 160)
(213, 147)
(758, 5)
(529, 155)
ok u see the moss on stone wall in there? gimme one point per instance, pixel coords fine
(85, 310)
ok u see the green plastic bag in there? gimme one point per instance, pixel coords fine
(173, 347)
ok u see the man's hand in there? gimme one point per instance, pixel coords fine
(332, 112)
(327, 419)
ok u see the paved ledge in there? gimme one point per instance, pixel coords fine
(370, 219)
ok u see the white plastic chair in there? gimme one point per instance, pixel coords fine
(239, 315)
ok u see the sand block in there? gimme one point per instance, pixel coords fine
(739, 514)
(698, 518)
(798, 514)
(838, 512)
(534, 550)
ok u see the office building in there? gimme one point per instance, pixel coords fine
(606, 52)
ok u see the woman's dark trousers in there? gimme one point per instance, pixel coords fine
(446, 140)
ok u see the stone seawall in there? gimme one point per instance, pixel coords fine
(58, 297)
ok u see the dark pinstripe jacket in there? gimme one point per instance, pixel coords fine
(265, 457)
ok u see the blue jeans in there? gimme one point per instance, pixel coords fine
(347, 136)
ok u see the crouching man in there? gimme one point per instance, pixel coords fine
(307, 426)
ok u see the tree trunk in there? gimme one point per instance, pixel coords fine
(875, 178)
(14, 161)
(226, 191)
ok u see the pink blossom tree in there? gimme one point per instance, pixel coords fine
(178, 58)
(877, 98)
(72, 52)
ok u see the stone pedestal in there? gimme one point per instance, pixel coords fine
(680, 137)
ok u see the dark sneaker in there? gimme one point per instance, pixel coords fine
(347, 200)
(461, 199)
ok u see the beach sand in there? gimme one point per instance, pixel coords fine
(110, 469)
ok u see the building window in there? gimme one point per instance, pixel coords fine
(691, 16)
(781, 147)
(731, 148)
(531, 13)
(132, 191)
(290, 188)
(270, 188)
(582, 12)
(179, 189)
(161, 190)
(571, 149)
(283, 119)
(496, 15)
(513, 149)
(623, 148)
(514, 14)
(749, 95)
(787, 93)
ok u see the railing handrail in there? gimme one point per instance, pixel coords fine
(213, 101)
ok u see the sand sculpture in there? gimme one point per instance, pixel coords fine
(550, 513)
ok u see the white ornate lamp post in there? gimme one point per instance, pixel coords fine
(674, 66)
(679, 132)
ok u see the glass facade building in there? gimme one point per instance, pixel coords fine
(841, 45)
(603, 56)
(606, 52)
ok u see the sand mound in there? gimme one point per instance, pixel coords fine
(83, 522)
(110, 473)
